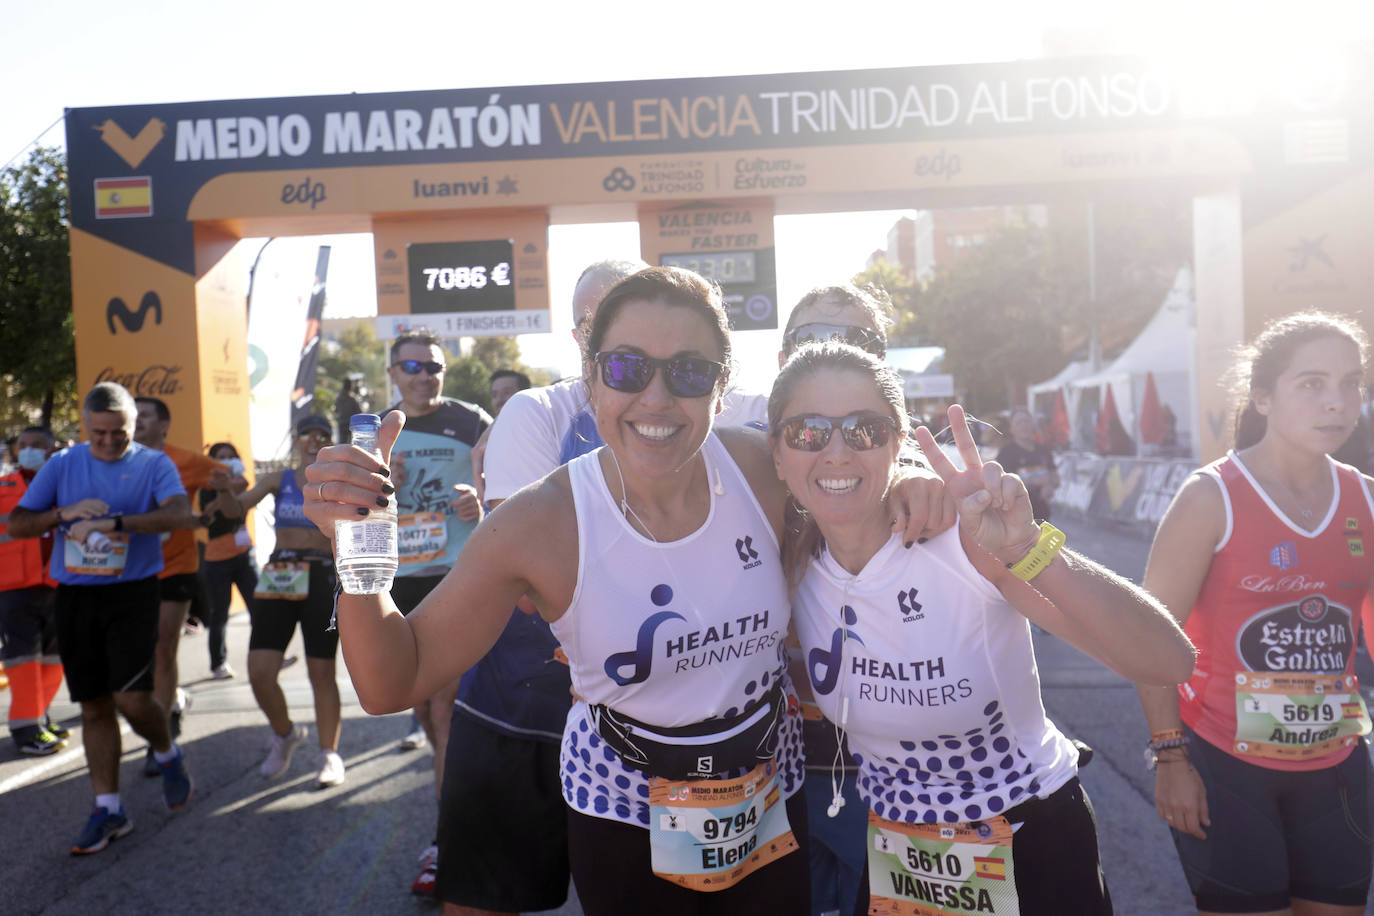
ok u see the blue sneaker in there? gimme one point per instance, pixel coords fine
(100, 829)
(176, 782)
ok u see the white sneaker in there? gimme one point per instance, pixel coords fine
(415, 739)
(223, 673)
(182, 701)
(283, 746)
(331, 770)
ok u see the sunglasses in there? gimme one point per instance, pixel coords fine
(413, 366)
(819, 332)
(860, 431)
(685, 376)
(316, 436)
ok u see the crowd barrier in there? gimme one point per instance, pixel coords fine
(1133, 491)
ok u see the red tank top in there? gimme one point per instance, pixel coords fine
(1284, 604)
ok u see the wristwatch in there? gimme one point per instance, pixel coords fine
(118, 522)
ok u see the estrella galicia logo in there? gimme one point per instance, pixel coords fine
(908, 606)
(1284, 555)
(1312, 608)
(133, 321)
(747, 554)
(824, 665)
(640, 660)
(618, 180)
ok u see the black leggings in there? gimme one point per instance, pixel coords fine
(613, 873)
(220, 577)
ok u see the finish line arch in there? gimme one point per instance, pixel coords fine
(160, 194)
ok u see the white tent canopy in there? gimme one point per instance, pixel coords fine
(1165, 347)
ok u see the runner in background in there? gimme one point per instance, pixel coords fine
(28, 621)
(431, 468)
(1261, 765)
(177, 582)
(1031, 461)
(296, 587)
(228, 557)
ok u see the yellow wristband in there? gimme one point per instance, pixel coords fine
(1046, 548)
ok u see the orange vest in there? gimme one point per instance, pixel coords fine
(21, 561)
(179, 553)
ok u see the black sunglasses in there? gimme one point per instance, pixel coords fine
(860, 431)
(413, 366)
(685, 376)
(819, 332)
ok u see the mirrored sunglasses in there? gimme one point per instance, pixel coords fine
(413, 366)
(860, 431)
(819, 332)
(685, 376)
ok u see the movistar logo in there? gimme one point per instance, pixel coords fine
(640, 660)
(824, 666)
(133, 321)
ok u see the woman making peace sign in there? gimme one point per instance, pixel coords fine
(923, 657)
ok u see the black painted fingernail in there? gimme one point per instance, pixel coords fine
(388, 488)
(385, 472)
(921, 540)
(908, 545)
(381, 502)
(363, 510)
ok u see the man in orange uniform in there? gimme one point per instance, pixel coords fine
(28, 623)
(180, 560)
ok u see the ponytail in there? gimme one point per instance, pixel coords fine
(1250, 426)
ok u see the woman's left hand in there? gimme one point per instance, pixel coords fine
(994, 507)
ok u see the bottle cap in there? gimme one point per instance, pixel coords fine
(364, 421)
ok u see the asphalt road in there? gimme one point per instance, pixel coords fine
(246, 845)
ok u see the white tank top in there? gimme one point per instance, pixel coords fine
(944, 712)
(670, 633)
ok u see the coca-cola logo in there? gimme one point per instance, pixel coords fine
(157, 380)
(1311, 635)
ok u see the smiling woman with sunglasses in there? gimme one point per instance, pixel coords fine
(655, 560)
(922, 658)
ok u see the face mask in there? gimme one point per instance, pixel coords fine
(235, 465)
(31, 459)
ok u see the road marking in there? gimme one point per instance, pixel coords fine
(59, 761)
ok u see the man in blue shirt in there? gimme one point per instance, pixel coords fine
(107, 501)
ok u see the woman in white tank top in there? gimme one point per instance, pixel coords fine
(655, 560)
(922, 656)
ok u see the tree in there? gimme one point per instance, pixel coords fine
(37, 345)
(357, 349)
(901, 292)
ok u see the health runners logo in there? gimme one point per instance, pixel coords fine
(640, 660)
(823, 665)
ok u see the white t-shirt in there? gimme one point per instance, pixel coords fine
(944, 712)
(541, 429)
(670, 633)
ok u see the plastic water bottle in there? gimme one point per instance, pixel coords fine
(365, 550)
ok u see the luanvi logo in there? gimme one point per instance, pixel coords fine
(747, 554)
(133, 321)
(133, 150)
(908, 606)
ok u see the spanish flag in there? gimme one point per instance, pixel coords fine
(986, 867)
(1351, 711)
(122, 197)
(774, 796)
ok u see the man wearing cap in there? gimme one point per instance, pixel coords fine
(431, 466)
(107, 500)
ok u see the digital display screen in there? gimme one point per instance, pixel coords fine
(725, 267)
(461, 276)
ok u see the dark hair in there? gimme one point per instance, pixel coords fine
(872, 299)
(420, 336)
(110, 397)
(672, 286)
(159, 406)
(219, 445)
(802, 538)
(521, 378)
(43, 430)
(1271, 353)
